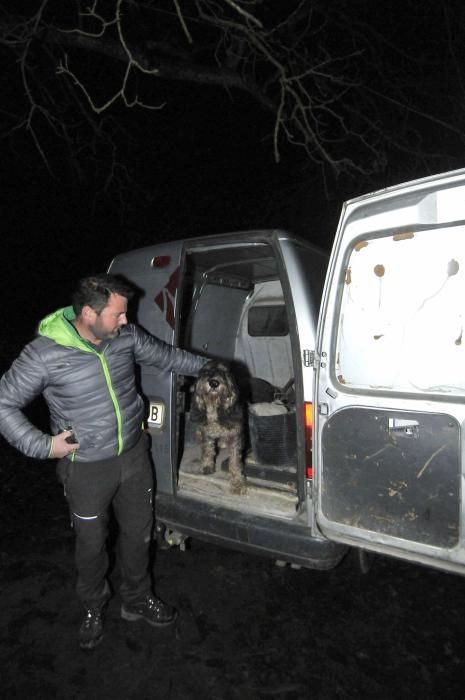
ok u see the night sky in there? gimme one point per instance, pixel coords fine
(212, 174)
(204, 164)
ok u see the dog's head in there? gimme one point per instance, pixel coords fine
(215, 387)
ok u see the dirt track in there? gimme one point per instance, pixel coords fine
(246, 629)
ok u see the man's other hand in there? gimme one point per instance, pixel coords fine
(61, 448)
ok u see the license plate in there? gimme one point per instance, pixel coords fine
(156, 414)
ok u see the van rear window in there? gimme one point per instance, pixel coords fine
(267, 321)
(401, 321)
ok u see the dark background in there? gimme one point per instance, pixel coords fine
(204, 164)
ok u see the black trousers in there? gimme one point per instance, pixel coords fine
(91, 488)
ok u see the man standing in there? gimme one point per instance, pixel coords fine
(83, 363)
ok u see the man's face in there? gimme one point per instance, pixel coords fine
(108, 322)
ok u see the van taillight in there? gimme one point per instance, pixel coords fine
(161, 261)
(308, 408)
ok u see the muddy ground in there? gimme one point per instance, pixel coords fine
(246, 629)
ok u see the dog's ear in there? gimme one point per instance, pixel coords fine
(232, 393)
(198, 409)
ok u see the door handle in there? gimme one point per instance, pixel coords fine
(404, 427)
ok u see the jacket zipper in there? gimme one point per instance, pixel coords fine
(106, 372)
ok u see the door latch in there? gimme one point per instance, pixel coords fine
(309, 358)
(404, 427)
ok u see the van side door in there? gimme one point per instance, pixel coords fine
(390, 375)
(155, 272)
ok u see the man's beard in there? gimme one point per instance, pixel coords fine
(100, 334)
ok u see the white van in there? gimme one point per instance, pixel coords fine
(353, 432)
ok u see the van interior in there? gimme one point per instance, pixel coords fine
(234, 309)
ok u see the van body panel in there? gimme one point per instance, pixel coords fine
(155, 272)
(388, 439)
(396, 473)
(250, 299)
(303, 262)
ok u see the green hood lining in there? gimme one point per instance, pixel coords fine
(58, 327)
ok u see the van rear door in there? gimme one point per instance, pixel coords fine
(390, 375)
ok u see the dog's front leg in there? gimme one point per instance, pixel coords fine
(208, 456)
(237, 483)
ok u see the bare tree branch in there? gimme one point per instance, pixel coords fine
(321, 75)
(181, 19)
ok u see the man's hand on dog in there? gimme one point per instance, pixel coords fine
(61, 448)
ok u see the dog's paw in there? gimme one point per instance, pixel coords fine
(238, 487)
(208, 469)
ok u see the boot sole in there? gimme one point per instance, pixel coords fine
(133, 617)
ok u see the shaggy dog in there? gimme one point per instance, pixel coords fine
(216, 410)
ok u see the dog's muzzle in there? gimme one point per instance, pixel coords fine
(213, 383)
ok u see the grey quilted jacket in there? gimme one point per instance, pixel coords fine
(92, 390)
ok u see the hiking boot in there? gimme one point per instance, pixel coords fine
(151, 609)
(91, 629)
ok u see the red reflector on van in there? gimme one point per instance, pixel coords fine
(308, 414)
(161, 261)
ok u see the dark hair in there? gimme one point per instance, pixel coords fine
(95, 292)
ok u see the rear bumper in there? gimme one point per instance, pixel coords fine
(271, 537)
